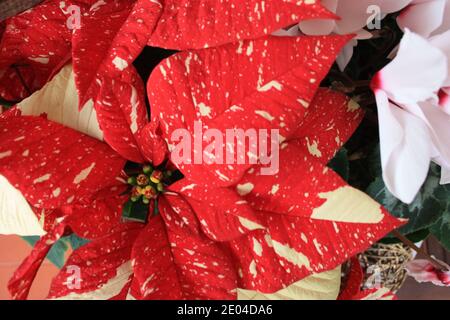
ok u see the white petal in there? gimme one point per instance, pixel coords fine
(416, 74)
(59, 100)
(405, 149)
(354, 15)
(16, 216)
(442, 41)
(438, 122)
(293, 31)
(445, 26)
(423, 17)
(445, 175)
(389, 6)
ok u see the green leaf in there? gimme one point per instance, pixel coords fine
(430, 205)
(135, 211)
(441, 229)
(340, 164)
(75, 241)
(374, 162)
(57, 252)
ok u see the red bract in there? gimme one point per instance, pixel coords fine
(181, 20)
(235, 86)
(305, 217)
(126, 27)
(177, 255)
(110, 38)
(103, 59)
(34, 45)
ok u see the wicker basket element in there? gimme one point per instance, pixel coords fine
(385, 263)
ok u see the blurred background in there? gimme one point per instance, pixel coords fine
(13, 250)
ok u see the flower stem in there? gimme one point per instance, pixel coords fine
(438, 264)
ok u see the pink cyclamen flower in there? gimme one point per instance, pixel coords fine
(354, 16)
(424, 271)
(426, 17)
(413, 123)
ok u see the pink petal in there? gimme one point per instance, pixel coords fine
(389, 6)
(424, 271)
(346, 55)
(417, 72)
(444, 99)
(438, 122)
(353, 14)
(445, 175)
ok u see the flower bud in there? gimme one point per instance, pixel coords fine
(156, 176)
(142, 180)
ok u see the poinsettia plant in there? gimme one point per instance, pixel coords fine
(118, 120)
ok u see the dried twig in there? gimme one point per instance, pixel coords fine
(438, 264)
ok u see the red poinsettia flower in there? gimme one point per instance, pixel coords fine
(232, 232)
(266, 238)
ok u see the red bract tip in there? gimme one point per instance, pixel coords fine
(376, 82)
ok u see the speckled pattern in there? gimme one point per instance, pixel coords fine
(111, 37)
(265, 246)
(226, 21)
(256, 84)
(53, 165)
(36, 43)
(288, 239)
(122, 113)
(221, 227)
